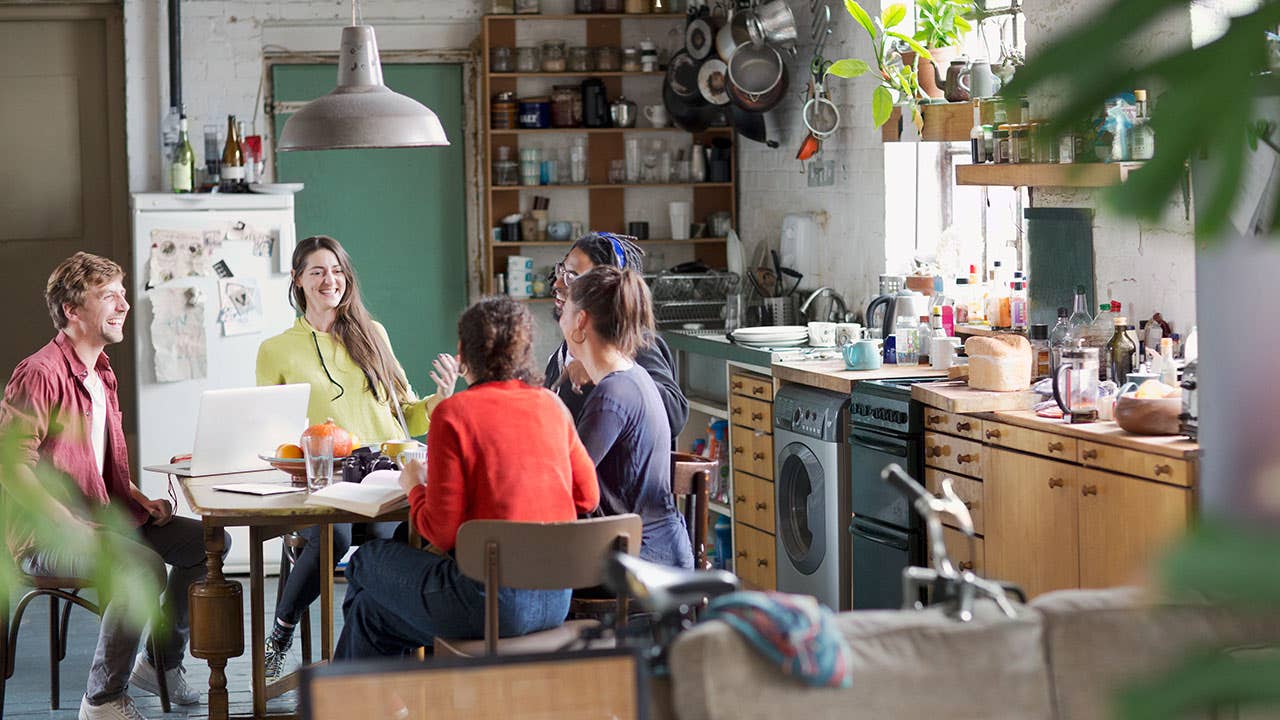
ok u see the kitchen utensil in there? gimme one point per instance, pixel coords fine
(821, 117)
(737, 31)
(1075, 385)
(595, 103)
(638, 229)
(623, 113)
(682, 75)
(983, 83)
(862, 355)
(809, 147)
(691, 114)
(699, 38)
(956, 86)
(757, 77)
(904, 303)
(778, 23)
(713, 81)
(657, 115)
(751, 125)
(1148, 416)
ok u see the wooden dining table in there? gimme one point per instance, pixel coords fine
(217, 605)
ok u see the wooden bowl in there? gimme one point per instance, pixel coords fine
(1148, 416)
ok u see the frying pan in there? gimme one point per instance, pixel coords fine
(682, 75)
(691, 114)
(751, 126)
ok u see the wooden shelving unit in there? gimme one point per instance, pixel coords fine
(1046, 174)
(606, 203)
(943, 122)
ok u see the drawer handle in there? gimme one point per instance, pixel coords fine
(737, 451)
(993, 434)
(757, 416)
(935, 419)
(1056, 482)
(963, 427)
(736, 384)
(742, 553)
(736, 411)
(757, 456)
(739, 498)
(1089, 455)
(966, 565)
(941, 450)
(762, 563)
(962, 459)
(1164, 470)
(757, 390)
(1089, 490)
(762, 506)
(1056, 447)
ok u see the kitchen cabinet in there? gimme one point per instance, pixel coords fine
(754, 557)
(1126, 523)
(751, 453)
(1031, 523)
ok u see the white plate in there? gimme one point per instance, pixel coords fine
(771, 330)
(765, 340)
(774, 344)
(276, 188)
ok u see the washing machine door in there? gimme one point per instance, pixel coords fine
(801, 484)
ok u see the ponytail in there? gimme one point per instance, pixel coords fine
(619, 305)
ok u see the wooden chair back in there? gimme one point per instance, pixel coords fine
(691, 479)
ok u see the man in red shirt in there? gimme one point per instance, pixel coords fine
(61, 405)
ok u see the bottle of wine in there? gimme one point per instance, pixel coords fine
(182, 172)
(232, 160)
(977, 144)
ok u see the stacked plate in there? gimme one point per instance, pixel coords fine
(772, 336)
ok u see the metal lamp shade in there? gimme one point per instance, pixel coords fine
(361, 112)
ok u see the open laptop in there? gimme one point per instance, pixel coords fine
(237, 424)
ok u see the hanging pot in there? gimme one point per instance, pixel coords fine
(751, 125)
(682, 75)
(757, 77)
(737, 31)
(778, 23)
(691, 114)
(713, 81)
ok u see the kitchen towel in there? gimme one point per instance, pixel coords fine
(793, 631)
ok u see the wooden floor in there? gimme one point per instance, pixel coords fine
(27, 694)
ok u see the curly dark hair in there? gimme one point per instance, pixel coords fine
(495, 341)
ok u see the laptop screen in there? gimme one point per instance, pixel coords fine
(591, 684)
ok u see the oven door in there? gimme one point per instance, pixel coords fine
(880, 554)
(870, 451)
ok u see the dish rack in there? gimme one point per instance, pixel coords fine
(685, 299)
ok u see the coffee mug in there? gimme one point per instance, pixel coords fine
(848, 333)
(559, 231)
(638, 230)
(656, 115)
(862, 355)
(822, 334)
(406, 449)
(942, 353)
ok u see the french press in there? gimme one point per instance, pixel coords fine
(1075, 385)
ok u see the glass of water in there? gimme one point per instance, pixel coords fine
(318, 451)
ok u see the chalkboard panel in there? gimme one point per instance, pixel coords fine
(1060, 255)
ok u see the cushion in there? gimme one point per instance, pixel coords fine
(543, 641)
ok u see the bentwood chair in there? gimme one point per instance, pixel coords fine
(537, 556)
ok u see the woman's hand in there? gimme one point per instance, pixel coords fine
(412, 475)
(445, 374)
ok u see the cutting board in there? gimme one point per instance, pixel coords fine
(957, 397)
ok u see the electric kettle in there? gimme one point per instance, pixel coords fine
(904, 303)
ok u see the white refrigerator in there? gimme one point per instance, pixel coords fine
(245, 243)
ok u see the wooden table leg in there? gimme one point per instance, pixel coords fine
(257, 610)
(326, 591)
(217, 620)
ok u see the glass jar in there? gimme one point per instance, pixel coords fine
(553, 57)
(501, 7)
(637, 7)
(581, 59)
(502, 111)
(1001, 144)
(631, 60)
(501, 59)
(1067, 148)
(528, 59)
(608, 59)
(528, 7)
(506, 172)
(1019, 143)
(611, 6)
(566, 106)
(584, 6)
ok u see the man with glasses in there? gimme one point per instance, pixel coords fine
(565, 375)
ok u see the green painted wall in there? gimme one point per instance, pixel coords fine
(1060, 255)
(401, 214)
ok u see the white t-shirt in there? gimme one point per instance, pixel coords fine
(98, 420)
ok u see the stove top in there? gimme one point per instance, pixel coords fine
(886, 405)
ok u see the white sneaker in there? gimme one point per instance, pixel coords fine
(144, 678)
(121, 708)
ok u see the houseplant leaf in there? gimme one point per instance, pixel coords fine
(893, 15)
(921, 51)
(881, 105)
(848, 68)
(854, 9)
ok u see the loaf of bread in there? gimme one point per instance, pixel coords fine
(1000, 362)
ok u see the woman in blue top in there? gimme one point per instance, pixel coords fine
(623, 424)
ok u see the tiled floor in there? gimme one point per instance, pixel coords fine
(27, 694)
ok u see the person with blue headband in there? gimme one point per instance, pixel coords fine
(566, 375)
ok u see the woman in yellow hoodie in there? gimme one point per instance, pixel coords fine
(345, 355)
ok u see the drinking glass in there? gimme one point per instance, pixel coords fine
(318, 451)
(617, 172)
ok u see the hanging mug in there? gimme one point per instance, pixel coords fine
(982, 82)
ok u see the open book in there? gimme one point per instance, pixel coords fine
(378, 493)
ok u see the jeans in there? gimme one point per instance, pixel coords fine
(303, 586)
(400, 598)
(180, 544)
(666, 542)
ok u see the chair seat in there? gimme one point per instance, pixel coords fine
(55, 582)
(538, 642)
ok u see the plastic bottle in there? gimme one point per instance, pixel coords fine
(907, 339)
(1151, 335)
(1168, 371)
(962, 294)
(1018, 311)
(1080, 320)
(1191, 346)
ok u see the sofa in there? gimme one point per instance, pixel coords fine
(1061, 658)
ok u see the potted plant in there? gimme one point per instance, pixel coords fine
(939, 27)
(898, 84)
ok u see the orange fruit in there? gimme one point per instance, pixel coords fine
(289, 450)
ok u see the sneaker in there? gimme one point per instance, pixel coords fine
(144, 678)
(277, 654)
(122, 708)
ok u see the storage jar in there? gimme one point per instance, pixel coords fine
(501, 59)
(528, 59)
(535, 113)
(581, 59)
(608, 59)
(502, 111)
(553, 57)
(631, 60)
(566, 106)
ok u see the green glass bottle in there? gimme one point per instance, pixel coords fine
(1120, 350)
(182, 173)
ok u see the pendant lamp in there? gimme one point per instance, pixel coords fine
(361, 112)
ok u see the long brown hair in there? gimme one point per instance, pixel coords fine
(495, 340)
(354, 326)
(619, 305)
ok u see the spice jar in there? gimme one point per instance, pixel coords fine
(553, 57)
(502, 111)
(566, 106)
(501, 59)
(1019, 143)
(584, 6)
(581, 59)
(608, 59)
(631, 60)
(611, 6)
(1001, 146)
(1067, 148)
(528, 59)
(636, 7)
(1039, 148)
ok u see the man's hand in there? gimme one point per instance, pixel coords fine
(412, 475)
(161, 511)
(578, 375)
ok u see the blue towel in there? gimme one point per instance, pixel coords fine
(793, 631)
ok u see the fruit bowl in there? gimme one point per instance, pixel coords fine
(1148, 416)
(297, 467)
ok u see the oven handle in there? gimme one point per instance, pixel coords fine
(865, 532)
(899, 450)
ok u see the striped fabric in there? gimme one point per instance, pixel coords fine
(793, 631)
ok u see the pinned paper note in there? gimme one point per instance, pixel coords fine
(177, 333)
(179, 254)
(239, 306)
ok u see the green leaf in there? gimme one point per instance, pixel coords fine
(893, 15)
(848, 68)
(855, 10)
(921, 51)
(963, 25)
(881, 105)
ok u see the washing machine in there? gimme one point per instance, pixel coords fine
(811, 462)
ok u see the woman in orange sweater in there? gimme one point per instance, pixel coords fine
(504, 449)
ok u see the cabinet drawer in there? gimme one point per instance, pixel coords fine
(753, 501)
(970, 491)
(954, 454)
(752, 451)
(1031, 441)
(755, 386)
(1139, 464)
(963, 555)
(952, 424)
(754, 558)
(752, 413)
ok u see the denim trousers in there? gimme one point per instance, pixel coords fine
(400, 598)
(666, 541)
(303, 585)
(179, 544)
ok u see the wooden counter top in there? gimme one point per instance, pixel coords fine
(1105, 432)
(957, 397)
(832, 375)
